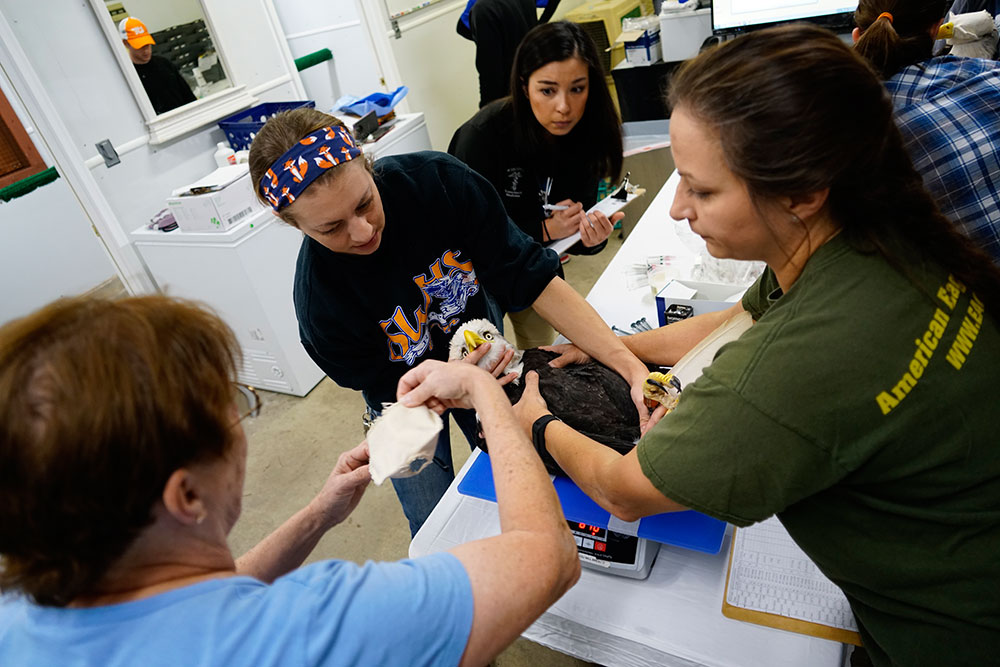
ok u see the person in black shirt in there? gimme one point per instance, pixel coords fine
(164, 85)
(398, 255)
(546, 147)
(497, 27)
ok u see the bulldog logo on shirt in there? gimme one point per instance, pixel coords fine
(514, 177)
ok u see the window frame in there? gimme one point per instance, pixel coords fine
(12, 122)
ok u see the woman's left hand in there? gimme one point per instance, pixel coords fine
(596, 227)
(532, 405)
(345, 485)
(640, 404)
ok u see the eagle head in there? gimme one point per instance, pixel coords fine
(474, 333)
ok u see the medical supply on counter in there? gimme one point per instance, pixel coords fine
(641, 37)
(242, 156)
(701, 297)
(163, 221)
(216, 202)
(224, 155)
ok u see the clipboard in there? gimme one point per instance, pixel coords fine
(770, 620)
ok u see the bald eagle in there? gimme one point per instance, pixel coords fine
(590, 397)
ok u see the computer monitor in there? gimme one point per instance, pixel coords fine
(736, 16)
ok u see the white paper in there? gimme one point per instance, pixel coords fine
(608, 206)
(771, 574)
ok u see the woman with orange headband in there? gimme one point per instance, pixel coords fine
(395, 257)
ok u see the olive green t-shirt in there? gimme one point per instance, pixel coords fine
(864, 412)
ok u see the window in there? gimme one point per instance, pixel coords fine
(18, 157)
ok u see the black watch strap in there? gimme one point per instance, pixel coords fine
(538, 431)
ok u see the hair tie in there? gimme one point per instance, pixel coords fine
(886, 15)
(304, 162)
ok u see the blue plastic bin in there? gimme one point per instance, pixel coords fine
(242, 127)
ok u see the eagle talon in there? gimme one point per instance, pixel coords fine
(663, 388)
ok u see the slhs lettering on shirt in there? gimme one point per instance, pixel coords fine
(926, 344)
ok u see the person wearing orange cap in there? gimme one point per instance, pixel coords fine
(164, 85)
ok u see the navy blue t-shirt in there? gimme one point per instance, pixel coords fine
(448, 250)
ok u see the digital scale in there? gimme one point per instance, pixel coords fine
(615, 553)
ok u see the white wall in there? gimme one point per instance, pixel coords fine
(438, 65)
(311, 26)
(48, 248)
(160, 14)
(87, 90)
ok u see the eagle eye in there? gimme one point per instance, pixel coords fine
(465, 353)
(487, 335)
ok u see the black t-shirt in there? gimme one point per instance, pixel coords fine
(487, 143)
(497, 27)
(448, 254)
(164, 85)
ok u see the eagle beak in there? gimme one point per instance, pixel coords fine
(473, 340)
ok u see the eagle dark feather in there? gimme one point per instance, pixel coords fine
(589, 397)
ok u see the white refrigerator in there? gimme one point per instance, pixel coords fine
(246, 275)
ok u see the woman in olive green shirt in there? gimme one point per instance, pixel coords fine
(859, 407)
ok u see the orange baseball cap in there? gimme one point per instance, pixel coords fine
(134, 32)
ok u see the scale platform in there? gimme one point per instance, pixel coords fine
(689, 529)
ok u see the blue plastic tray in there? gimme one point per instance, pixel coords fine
(242, 127)
(690, 529)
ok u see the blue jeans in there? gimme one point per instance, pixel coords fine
(420, 494)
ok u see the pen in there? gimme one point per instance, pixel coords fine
(554, 207)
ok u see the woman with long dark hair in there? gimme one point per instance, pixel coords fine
(547, 146)
(946, 109)
(859, 408)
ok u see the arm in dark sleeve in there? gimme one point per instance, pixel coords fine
(335, 341)
(513, 268)
(494, 78)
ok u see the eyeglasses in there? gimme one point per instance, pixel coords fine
(247, 401)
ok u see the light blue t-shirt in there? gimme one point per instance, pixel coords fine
(414, 612)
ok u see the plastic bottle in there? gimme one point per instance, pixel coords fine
(224, 155)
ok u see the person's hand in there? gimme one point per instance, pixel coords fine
(563, 223)
(344, 487)
(655, 417)
(596, 227)
(640, 404)
(532, 405)
(498, 366)
(568, 354)
(441, 386)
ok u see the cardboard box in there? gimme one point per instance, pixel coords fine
(642, 47)
(702, 297)
(229, 201)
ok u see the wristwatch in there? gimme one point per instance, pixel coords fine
(538, 431)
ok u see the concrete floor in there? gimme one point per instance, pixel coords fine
(295, 443)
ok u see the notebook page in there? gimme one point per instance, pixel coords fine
(771, 574)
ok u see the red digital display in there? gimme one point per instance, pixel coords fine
(594, 531)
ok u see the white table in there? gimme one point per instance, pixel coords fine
(674, 617)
